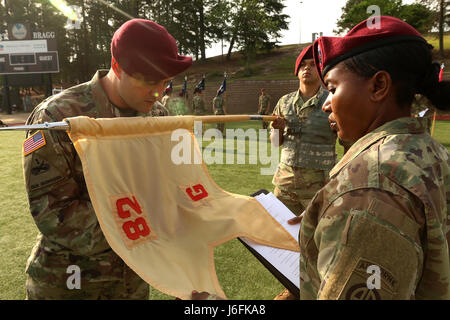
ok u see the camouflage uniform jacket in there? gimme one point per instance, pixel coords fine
(158, 110)
(308, 141)
(57, 193)
(380, 228)
(218, 104)
(263, 103)
(198, 105)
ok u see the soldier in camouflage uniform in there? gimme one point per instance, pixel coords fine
(158, 110)
(422, 107)
(70, 234)
(307, 142)
(198, 105)
(264, 106)
(380, 228)
(219, 108)
(167, 97)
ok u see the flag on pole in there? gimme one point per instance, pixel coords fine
(168, 88)
(184, 89)
(223, 86)
(200, 85)
(165, 219)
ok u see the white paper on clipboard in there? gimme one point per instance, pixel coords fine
(285, 261)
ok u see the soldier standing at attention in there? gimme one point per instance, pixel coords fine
(307, 142)
(144, 59)
(380, 228)
(219, 108)
(198, 105)
(167, 97)
(264, 106)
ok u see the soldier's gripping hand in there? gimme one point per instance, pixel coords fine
(279, 123)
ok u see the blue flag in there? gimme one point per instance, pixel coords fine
(168, 88)
(183, 91)
(201, 84)
(223, 87)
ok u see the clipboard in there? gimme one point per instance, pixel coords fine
(274, 271)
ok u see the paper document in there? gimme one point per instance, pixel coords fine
(285, 261)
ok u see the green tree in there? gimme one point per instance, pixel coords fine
(441, 10)
(255, 25)
(418, 16)
(355, 11)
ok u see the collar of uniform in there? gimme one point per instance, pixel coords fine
(108, 109)
(313, 101)
(407, 125)
(99, 95)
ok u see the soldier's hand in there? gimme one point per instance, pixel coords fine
(279, 123)
(204, 296)
(296, 220)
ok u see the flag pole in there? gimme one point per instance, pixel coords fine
(234, 118)
(65, 125)
(434, 122)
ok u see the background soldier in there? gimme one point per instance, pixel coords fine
(423, 108)
(198, 105)
(142, 65)
(264, 106)
(165, 101)
(219, 108)
(307, 142)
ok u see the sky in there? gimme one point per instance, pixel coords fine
(305, 17)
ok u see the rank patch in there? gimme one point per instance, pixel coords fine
(33, 143)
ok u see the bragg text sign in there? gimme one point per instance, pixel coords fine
(38, 55)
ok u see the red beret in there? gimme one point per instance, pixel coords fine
(306, 53)
(329, 51)
(144, 49)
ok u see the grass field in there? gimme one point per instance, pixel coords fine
(240, 274)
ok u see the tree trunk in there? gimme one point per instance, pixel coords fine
(202, 31)
(231, 47)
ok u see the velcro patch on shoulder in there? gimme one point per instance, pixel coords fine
(369, 281)
(34, 142)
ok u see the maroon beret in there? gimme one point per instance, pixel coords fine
(306, 53)
(329, 51)
(144, 49)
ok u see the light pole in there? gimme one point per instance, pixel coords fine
(300, 22)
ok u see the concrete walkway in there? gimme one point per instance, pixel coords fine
(14, 119)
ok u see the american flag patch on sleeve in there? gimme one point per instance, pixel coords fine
(33, 143)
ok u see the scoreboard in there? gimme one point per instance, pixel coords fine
(38, 55)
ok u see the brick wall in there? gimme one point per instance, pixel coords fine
(242, 96)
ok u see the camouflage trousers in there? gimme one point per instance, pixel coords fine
(265, 124)
(133, 288)
(220, 125)
(295, 187)
(105, 276)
